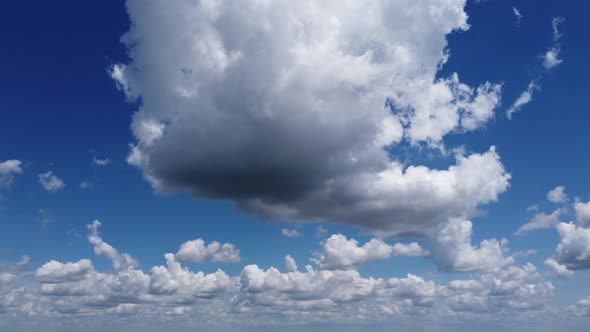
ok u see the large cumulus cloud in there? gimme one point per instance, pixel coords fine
(286, 107)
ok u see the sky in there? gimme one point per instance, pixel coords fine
(294, 166)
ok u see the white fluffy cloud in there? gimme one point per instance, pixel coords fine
(573, 250)
(57, 272)
(582, 213)
(121, 261)
(541, 221)
(290, 264)
(557, 195)
(341, 253)
(8, 169)
(560, 270)
(196, 251)
(452, 249)
(76, 289)
(285, 108)
(50, 182)
(581, 308)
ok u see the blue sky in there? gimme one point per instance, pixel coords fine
(243, 123)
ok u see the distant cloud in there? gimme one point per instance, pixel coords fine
(340, 253)
(555, 23)
(518, 14)
(50, 182)
(86, 184)
(524, 98)
(196, 251)
(541, 221)
(8, 169)
(101, 162)
(557, 195)
(290, 232)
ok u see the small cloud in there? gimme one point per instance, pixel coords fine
(50, 182)
(44, 218)
(551, 58)
(290, 232)
(518, 15)
(555, 23)
(320, 231)
(557, 195)
(101, 162)
(524, 98)
(86, 185)
(541, 221)
(8, 169)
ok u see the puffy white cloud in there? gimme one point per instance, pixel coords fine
(290, 232)
(77, 290)
(121, 261)
(452, 249)
(184, 284)
(507, 290)
(50, 182)
(290, 264)
(541, 221)
(560, 270)
(195, 251)
(581, 307)
(57, 272)
(288, 105)
(400, 200)
(524, 98)
(340, 253)
(582, 213)
(557, 195)
(573, 250)
(8, 169)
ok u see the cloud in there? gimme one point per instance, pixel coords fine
(195, 251)
(452, 250)
(541, 221)
(582, 213)
(311, 94)
(57, 272)
(560, 270)
(573, 250)
(518, 14)
(290, 232)
(120, 261)
(76, 290)
(86, 185)
(581, 308)
(551, 57)
(101, 162)
(524, 98)
(8, 169)
(555, 23)
(557, 195)
(290, 264)
(50, 182)
(340, 253)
